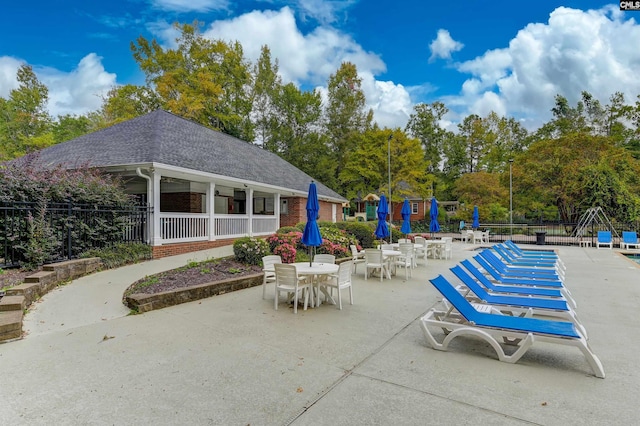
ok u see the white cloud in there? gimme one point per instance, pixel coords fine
(79, 91)
(325, 12)
(310, 59)
(76, 92)
(190, 5)
(594, 50)
(8, 75)
(443, 45)
(303, 58)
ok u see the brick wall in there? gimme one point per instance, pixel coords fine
(181, 202)
(298, 212)
(181, 248)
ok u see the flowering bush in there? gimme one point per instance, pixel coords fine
(287, 252)
(292, 238)
(250, 250)
(289, 245)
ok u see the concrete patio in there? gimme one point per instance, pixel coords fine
(234, 360)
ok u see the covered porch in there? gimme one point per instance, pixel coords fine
(188, 207)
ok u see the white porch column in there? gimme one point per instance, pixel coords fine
(249, 202)
(211, 193)
(276, 208)
(154, 199)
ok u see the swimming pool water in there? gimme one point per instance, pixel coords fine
(634, 257)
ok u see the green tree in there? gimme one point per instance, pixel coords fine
(24, 119)
(484, 190)
(207, 81)
(424, 124)
(505, 138)
(294, 132)
(267, 84)
(576, 172)
(129, 101)
(345, 114)
(366, 167)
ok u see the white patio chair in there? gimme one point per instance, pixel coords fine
(447, 250)
(324, 258)
(420, 248)
(356, 257)
(287, 280)
(477, 237)
(406, 259)
(373, 259)
(340, 281)
(269, 271)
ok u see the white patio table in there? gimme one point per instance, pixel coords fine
(316, 270)
(437, 245)
(313, 271)
(389, 256)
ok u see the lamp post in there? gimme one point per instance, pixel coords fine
(389, 172)
(511, 198)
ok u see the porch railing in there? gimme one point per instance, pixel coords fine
(189, 227)
(262, 225)
(184, 227)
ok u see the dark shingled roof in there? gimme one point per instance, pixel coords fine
(162, 137)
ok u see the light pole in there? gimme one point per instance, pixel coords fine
(511, 198)
(389, 172)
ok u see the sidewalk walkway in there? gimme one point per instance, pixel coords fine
(98, 297)
(234, 360)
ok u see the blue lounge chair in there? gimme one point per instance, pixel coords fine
(517, 280)
(629, 240)
(516, 271)
(495, 328)
(512, 259)
(604, 239)
(516, 305)
(530, 253)
(520, 290)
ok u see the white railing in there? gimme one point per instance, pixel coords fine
(184, 227)
(262, 225)
(188, 227)
(231, 225)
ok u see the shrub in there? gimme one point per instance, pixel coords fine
(336, 242)
(120, 254)
(361, 231)
(26, 181)
(292, 238)
(41, 243)
(250, 250)
(287, 229)
(287, 252)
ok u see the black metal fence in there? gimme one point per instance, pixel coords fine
(547, 233)
(68, 228)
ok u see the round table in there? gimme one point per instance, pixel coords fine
(314, 271)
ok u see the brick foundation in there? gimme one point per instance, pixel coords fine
(182, 248)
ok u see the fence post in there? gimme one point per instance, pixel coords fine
(69, 210)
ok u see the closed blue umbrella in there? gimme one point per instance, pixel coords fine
(406, 215)
(311, 236)
(382, 230)
(434, 226)
(476, 218)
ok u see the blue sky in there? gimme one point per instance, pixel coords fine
(475, 56)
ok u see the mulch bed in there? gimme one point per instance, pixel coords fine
(202, 273)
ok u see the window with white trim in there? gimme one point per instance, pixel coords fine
(414, 208)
